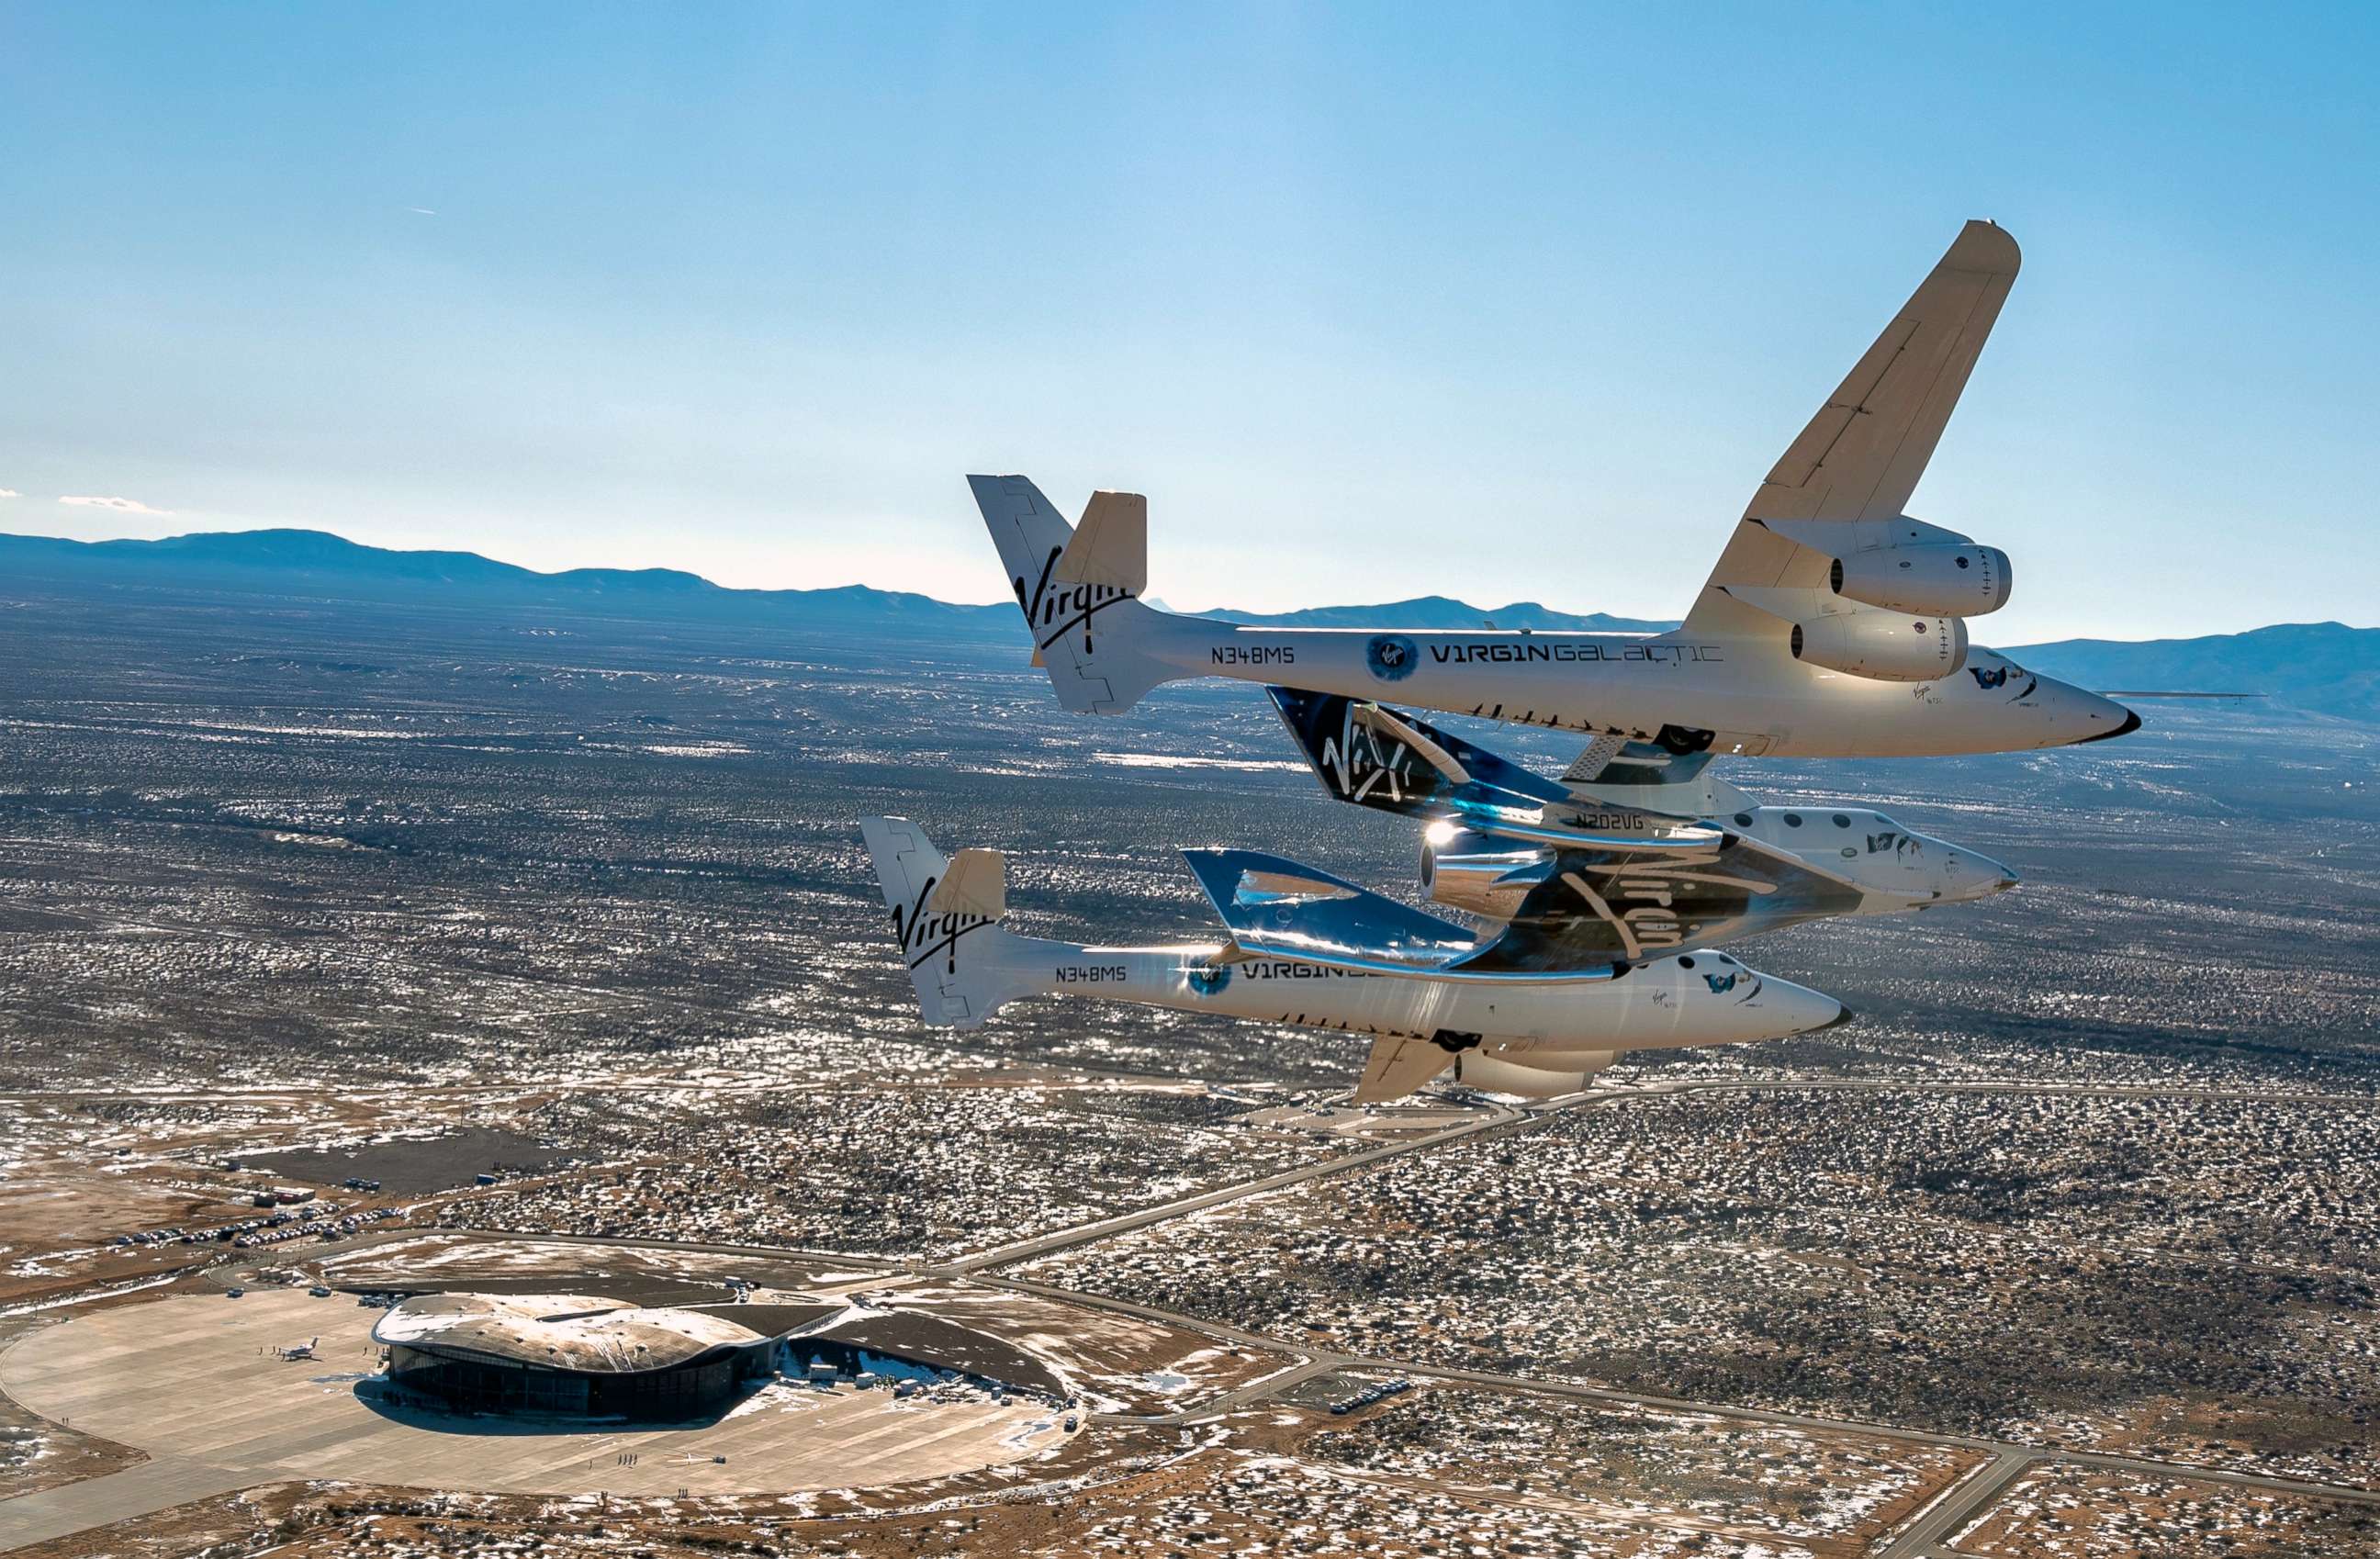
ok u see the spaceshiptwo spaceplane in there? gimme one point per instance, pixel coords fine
(1309, 949)
(1834, 625)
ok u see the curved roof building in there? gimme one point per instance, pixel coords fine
(583, 1353)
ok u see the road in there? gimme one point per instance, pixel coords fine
(1165, 1212)
(1958, 1505)
(1919, 1538)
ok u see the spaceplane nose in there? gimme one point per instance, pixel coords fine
(2102, 719)
(1989, 877)
(1806, 1009)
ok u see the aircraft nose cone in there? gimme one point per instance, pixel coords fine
(2131, 723)
(1806, 1011)
(1990, 877)
(1967, 877)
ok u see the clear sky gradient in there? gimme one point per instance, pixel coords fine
(1502, 303)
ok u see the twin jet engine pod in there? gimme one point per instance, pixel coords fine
(1885, 645)
(1473, 872)
(1530, 1072)
(1941, 579)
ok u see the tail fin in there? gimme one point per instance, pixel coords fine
(945, 917)
(1080, 591)
(1381, 757)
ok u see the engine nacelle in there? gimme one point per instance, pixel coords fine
(1884, 645)
(1475, 872)
(1478, 1068)
(1943, 579)
(1526, 1054)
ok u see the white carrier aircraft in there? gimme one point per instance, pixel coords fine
(1647, 854)
(1310, 948)
(1834, 625)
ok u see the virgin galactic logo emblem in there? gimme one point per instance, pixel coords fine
(1392, 657)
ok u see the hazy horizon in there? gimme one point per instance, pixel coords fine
(1510, 308)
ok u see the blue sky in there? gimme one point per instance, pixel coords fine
(1372, 302)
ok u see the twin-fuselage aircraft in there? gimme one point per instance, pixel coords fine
(1834, 625)
(1312, 949)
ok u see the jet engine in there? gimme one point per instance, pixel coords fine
(1884, 645)
(1529, 1073)
(1473, 872)
(1940, 579)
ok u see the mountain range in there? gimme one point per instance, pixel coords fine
(2325, 668)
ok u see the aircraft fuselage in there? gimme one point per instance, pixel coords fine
(1703, 999)
(1740, 696)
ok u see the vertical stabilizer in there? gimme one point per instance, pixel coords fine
(946, 920)
(1079, 590)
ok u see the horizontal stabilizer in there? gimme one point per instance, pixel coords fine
(1397, 1067)
(1111, 547)
(1388, 729)
(975, 883)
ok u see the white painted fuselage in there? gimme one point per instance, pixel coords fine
(1754, 699)
(1700, 999)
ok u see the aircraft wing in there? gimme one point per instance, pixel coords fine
(1396, 1066)
(1625, 905)
(1860, 458)
(1278, 908)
